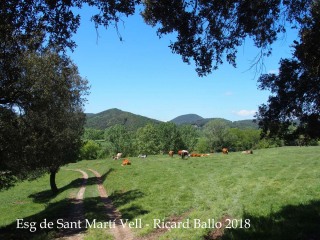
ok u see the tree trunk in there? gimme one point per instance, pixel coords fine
(53, 185)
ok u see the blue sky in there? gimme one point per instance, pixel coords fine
(141, 75)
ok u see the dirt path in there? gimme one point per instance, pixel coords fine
(119, 232)
(77, 213)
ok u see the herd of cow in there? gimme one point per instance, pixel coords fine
(182, 153)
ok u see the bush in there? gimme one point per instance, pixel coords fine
(269, 143)
(202, 146)
(243, 139)
(89, 150)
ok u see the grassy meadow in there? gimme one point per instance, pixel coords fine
(276, 192)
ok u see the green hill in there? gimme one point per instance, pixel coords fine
(187, 119)
(245, 124)
(241, 124)
(115, 116)
(132, 121)
(199, 121)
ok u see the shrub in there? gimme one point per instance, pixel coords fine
(202, 145)
(89, 150)
(269, 143)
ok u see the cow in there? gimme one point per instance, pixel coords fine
(205, 154)
(142, 156)
(118, 156)
(125, 162)
(198, 155)
(247, 152)
(183, 153)
(225, 150)
(195, 155)
(171, 153)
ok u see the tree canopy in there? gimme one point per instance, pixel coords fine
(120, 138)
(217, 132)
(295, 90)
(207, 31)
(45, 131)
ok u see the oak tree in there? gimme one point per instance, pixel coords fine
(217, 133)
(295, 90)
(148, 140)
(189, 136)
(47, 128)
(119, 138)
(169, 137)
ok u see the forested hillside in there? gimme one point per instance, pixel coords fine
(114, 131)
(133, 121)
(187, 118)
(114, 117)
(199, 121)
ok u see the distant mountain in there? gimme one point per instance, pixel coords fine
(206, 120)
(89, 114)
(199, 121)
(187, 119)
(245, 124)
(132, 121)
(115, 116)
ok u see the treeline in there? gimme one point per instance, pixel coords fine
(150, 139)
(163, 137)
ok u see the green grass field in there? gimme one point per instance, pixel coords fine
(271, 194)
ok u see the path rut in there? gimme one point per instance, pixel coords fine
(77, 213)
(119, 231)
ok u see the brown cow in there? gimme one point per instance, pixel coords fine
(205, 154)
(171, 153)
(195, 155)
(225, 150)
(183, 153)
(125, 162)
(198, 155)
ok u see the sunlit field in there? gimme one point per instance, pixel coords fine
(270, 194)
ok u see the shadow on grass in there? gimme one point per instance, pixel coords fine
(65, 221)
(105, 175)
(132, 212)
(119, 198)
(300, 222)
(108, 205)
(30, 226)
(70, 216)
(47, 195)
(96, 210)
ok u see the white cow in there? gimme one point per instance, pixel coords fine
(183, 153)
(247, 152)
(118, 156)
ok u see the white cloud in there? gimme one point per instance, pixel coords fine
(245, 113)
